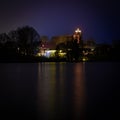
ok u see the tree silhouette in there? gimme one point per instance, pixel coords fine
(75, 50)
(13, 35)
(4, 38)
(22, 41)
(72, 50)
(28, 40)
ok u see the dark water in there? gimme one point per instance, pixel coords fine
(57, 91)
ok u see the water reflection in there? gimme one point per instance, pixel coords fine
(57, 91)
(61, 91)
(18, 91)
(79, 91)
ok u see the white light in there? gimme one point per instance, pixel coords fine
(78, 30)
(18, 48)
(49, 53)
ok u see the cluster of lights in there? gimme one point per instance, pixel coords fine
(77, 30)
(77, 35)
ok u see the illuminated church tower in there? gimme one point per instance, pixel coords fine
(77, 35)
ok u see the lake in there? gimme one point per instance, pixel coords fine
(57, 91)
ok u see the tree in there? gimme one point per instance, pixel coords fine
(69, 52)
(4, 38)
(28, 40)
(7, 47)
(13, 35)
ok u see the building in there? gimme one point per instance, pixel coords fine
(48, 47)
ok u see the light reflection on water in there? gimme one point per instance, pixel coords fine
(61, 90)
(79, 89)
(57, 91)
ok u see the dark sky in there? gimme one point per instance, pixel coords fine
(98, 19)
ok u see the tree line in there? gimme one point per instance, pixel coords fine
(72, 48)
(19, 42)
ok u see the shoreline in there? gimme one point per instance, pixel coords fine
(31, 59)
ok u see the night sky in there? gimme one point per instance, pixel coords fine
(98, 19)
